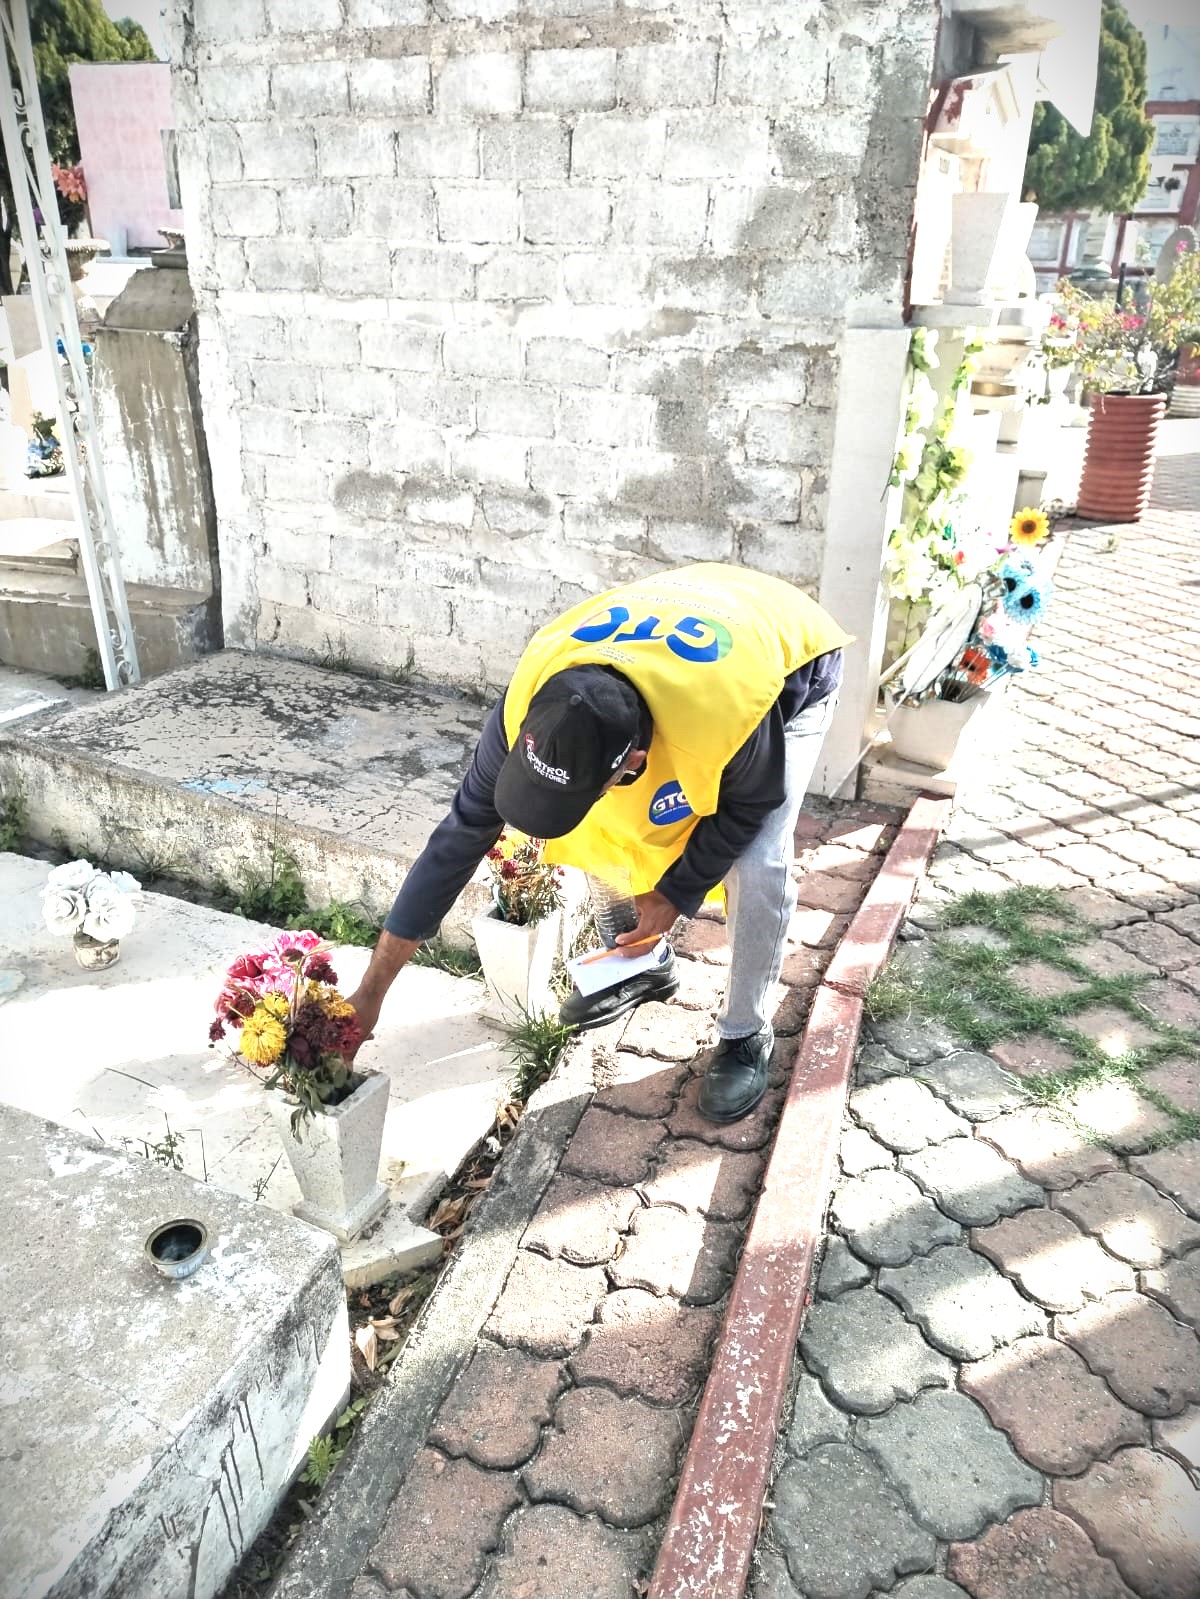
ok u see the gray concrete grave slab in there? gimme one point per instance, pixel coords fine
(150, 1426)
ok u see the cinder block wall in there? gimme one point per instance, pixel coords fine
(507, 304)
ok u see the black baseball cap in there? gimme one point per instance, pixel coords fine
(580, 726)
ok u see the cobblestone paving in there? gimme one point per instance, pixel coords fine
(998, 1384)
(552, 1464)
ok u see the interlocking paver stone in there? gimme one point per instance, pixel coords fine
(1144, 1514)
(441, 1524)
(1113, 1031)
(840, 1269)
(610, 1456)
(642, 1086)
(1189, 976)
(495, 1411)
(1174, 1172)
(671, 1032)
(973, 1085)
(722, 1183)
(1054, 1263)
(612, 1149)
(917, 1042)
(904, 1114)
(814, 1419)
(1117, 1113)
(752, 1132)
(876, 1062)
(956, 1471)
(1101, 909)
(1033, 1054)
(1179, 1079)
(771, 1579)
(832, 1555)
(673, 1252)
(1058, 1415)
(888, 1220)
(1043, 980)
(1177, 1286)
(1130, 1218)
(961, 1302)
(546, 1304)
(1047, 1148)
(544, 1545)
(1148, 1359)
(1148, 891)
(1170, 1003)
(1185, 921)
(970, 1181)
(867, 1354)
(647, 1345)
(1156, 943)
(580, 1221)
(928, 1587)
(859, 1152)
(1104, 958)
(1180, 1437)
(1038, 1554)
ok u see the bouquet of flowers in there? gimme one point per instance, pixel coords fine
(525, 888)
(1132, 349)
(292, 1023)
(80, 898)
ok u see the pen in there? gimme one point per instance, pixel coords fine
(602, 954)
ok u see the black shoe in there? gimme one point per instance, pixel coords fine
(737, 1078)
(597, 1010)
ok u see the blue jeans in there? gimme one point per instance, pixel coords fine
(759, 891)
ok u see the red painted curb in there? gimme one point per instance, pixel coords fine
(714, 1521)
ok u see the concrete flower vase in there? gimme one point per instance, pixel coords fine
(336, 1158)
(932, 733)
(94, 954)
(517, 964)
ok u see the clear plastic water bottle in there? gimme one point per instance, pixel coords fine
(613, 904)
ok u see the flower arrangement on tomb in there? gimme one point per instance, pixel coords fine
(79, 898)
(526, 888)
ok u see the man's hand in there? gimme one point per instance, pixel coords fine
(366, 1008)
(390, 956)
(656, 916)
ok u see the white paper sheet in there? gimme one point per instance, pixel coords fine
(593, 976)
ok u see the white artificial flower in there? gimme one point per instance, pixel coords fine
(922, 400)
(908, 457)
(63, 909)
(109, 913)
(75, 874)
(125, 882)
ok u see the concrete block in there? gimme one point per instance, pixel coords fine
(435, 504)
(518, 275)
(817, 145)
(774, 72)
(593, 417)
(233, 94)
(762, 217)
(571, 471)
(222, 153)
(294, 482)
(599, 525)
(658, 75)
(657, 481)
(515, 408)
(432, 275)
(764, 375)
(355, 266)
(436, 150)
(482, 352)
(389, 86)
(268, 432)
(254, 335)
(607, 279)
(307, 547)
(229, 263)
(286, 385)
(322, 342)
(525, 150)
(407, 447)
(309, 89)
(618, 147)
(359, 393)
(334, 441)
(284, 584)
(126, 1472)
(567, 361)
(319, 210)
(787, 434)
(357, 150)
(773, 494)
(571, 80)
(729, 145)
(385, 13)
(277, 151)
(496, 460)
(565, 214)
(476, 213)
(485, 84)
(658, 215)
(306, 16)
(404, 346)
(449, 402)
(714, 284)
(805, 289)
(230, 19)
(682, 542)
(402, 213)
(782, 550)
(285, 264)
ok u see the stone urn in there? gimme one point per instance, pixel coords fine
(94, 954)
(80, 254)
(1118, 467)
(517, 965)
(335, 1157)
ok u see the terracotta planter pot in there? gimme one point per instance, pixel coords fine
(1118, 468)
(1185, 399)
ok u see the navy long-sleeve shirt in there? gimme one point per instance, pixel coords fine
(752, 786)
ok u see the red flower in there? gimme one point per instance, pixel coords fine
(320, 971)
(247, 968)
(216, 1032)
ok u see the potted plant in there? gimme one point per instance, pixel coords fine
(1128, 355)
(1058, 354)
(94, 907)
(299, 1036)
(518, 938)
(43, 455)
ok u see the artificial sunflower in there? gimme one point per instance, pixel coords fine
(1029, 527)
(263, 1037)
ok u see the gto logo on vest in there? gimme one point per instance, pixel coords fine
(669, 805)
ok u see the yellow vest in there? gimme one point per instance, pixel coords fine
(708, 648)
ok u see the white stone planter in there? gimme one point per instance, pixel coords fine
(933, 733)
(336, 1158)
(517, 963)
(989, 236)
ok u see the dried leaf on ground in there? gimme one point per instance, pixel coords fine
(368, 1345)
